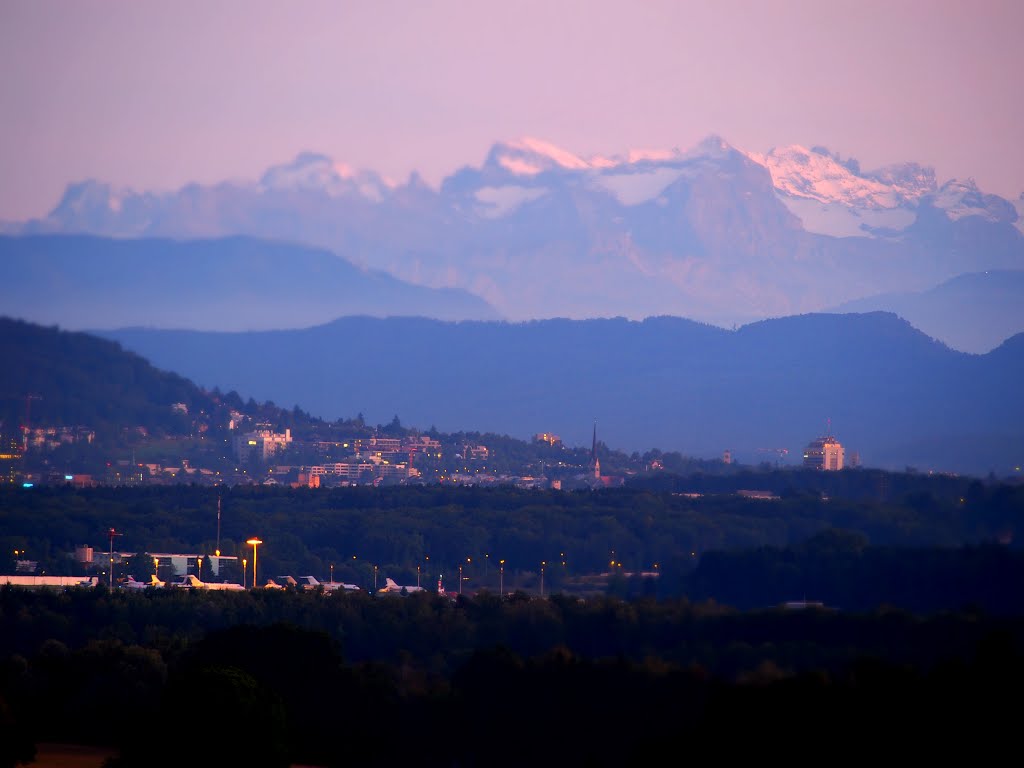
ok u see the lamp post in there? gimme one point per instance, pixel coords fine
(375, 578)
(199, 567)
(460, 578)
(332, 573)
(542, 564)
(417, 575)
(245, 573)
(254, 542)
(501, 578)
(112, 533)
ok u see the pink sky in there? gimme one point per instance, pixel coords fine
(153, 94)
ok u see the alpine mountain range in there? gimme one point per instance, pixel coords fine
(713, 234)
(692, 300)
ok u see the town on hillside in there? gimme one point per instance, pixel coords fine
(255, 453)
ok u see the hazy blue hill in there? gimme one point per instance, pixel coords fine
(236, 283)
(973, 312)
(890, 393)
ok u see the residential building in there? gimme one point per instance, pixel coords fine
(261, 444)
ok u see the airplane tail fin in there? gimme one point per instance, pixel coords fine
(391, 582)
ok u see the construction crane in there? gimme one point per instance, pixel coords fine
(780, 453)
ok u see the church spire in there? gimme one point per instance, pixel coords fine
(594, 461)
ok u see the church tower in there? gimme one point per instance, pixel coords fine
(595, 463)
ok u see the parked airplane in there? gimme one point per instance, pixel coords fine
(312, 582)
(391, 587)
(334, 586)
(189, 581)
(285, 582)
(131, 583)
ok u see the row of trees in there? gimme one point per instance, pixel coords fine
(844, 548)
(274, 678)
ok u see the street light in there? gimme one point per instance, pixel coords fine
(542, 564)
(417, 575)
(332, 573)
(199, 561)
(375, 578)
(112, 533)
(245, 573)
(253, 542)
(501, 578)
(460, 578)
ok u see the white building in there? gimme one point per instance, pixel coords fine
(261, 444)
(825, 453)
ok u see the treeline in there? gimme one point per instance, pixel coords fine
(275, 678)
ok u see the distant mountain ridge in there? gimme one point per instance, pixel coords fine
(713, 233)
(84, 282)
(887, 391)
(972, 312)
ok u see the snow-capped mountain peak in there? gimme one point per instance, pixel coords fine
(912, 180)
(963, 198)
(712, 147)
(819, 175)
(311, 171)
(652, 155)
(529, 156)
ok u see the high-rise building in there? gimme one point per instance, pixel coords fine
(825, 453)
(10, 459)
